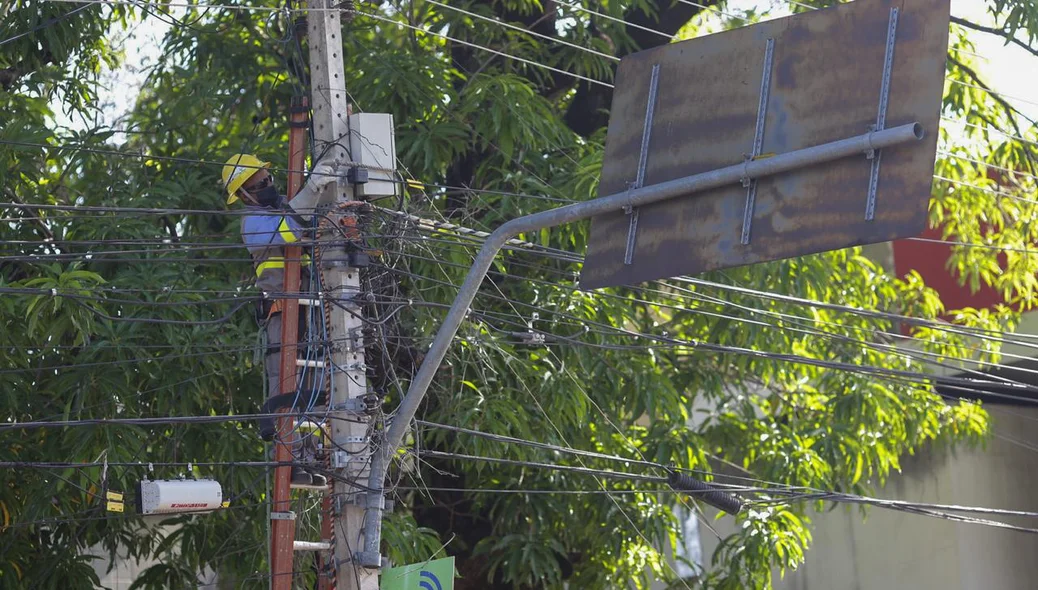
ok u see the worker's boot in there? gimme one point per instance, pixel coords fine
(301, 477)
(318, 479)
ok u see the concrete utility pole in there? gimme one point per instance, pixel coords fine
(350, 449)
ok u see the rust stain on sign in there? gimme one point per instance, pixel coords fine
(826, 77)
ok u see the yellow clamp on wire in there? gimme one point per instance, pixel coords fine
(114, 501)
(412, 183)
(764, 156)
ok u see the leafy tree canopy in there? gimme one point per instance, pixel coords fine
(119, 314)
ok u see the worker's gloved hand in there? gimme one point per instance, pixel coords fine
(323, 174)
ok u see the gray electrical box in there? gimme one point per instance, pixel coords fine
(373, 145)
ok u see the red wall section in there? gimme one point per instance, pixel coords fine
(930, 261)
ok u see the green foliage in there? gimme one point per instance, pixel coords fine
(465, 118)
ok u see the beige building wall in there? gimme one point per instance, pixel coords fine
(891, 549)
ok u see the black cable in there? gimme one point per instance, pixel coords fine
(879, 346)
(539, 445)
(785, 357)
(138, 360)
(220, 320)
(159, 421)
(933, 324)
(962, 330)
(556, 467)
(48, 23)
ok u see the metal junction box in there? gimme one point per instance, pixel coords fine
(373, 145)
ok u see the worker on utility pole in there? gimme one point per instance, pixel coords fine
(266, 228)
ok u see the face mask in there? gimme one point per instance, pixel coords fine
(267, 196)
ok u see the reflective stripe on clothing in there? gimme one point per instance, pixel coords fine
(287, 232)
(266, 232)
(278, 262)
(269, 263)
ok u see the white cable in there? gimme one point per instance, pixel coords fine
(994, 247)
(986, 190)
(186, 5)
(990, 130)
(991, 92)
(801, 5)
(494, 51)
(717, 10)
(986, 164)
(613, 18)
(525, 30)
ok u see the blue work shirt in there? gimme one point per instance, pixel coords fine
(266, 231)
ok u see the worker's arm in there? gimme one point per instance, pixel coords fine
(323, 174)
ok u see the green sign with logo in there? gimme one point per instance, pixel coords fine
(431, 575)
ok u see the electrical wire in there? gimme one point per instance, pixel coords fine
(987, 129)
(539, 445)
(907, 353)
(851, 368)
(487, 49)
(525, 30)
(44, 25)
(987, 165)
(991, 92)
(614, 19)
(693, 295)
(933, 510)
(156, 421)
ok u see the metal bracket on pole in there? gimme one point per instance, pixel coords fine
(758, 140)
(355, 405)
(881, 118)
(650, 110)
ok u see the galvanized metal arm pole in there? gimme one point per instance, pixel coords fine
(752, 169)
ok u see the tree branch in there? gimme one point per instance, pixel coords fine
(1010, 109)
(41, 228)
(993, 31)
(589, 110)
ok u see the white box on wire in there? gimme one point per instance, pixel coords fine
(179, 495)
(373, 145)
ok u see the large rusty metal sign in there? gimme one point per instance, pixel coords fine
(766, 89)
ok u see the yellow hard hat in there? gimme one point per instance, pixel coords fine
(238, 169)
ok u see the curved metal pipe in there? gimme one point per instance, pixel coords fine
(861, 144)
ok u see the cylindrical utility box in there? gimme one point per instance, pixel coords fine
(178, 495)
